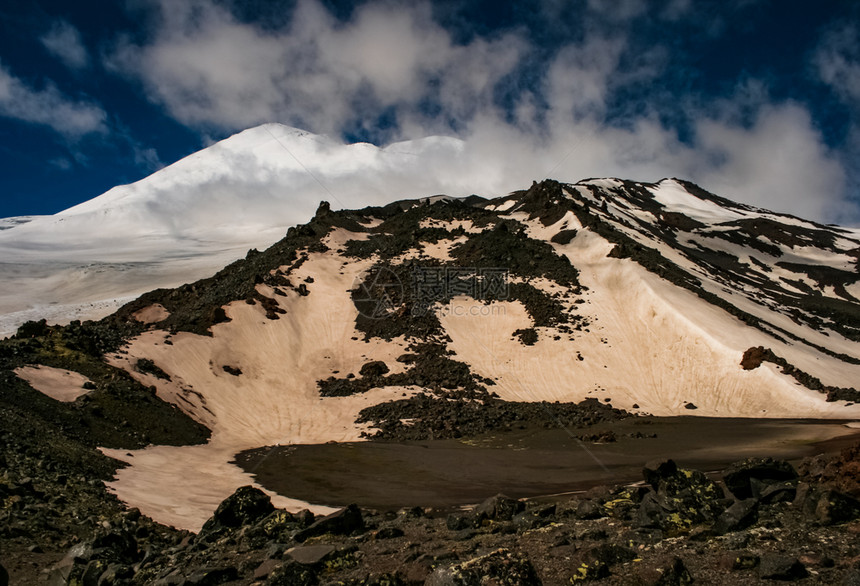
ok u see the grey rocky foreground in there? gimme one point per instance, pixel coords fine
(763, 520)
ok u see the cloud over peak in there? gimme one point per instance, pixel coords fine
(567, 89)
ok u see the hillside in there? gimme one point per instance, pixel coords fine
(562, 305)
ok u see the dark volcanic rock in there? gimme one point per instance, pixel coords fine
(244, 507)
(343, 522)
(213, 576)
(589, 509)
(659, 471)
(147, 366)
(564, 237)
(498, 508)
(608, 554)
(739, 560)
(388, 533)
(672, 572)
(826, 506)
(739, 516)
(650, 514)
(527, 336)
(501, 567)
(753, 357)
(465, 414)
(375, 368)
(747, 478)
(4, 576)
(94, 571)
(780, 492)
(682, 498)
(775, 566)
(116, 545)
(292, 574)
(456, 522)
(310, 555)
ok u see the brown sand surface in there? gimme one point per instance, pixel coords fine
(525, 463)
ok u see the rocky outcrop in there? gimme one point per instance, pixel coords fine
(680, 527)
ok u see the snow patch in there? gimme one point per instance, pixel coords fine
(60, 384)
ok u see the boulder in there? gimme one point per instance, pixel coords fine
(116, 545)
(278, 526)
(739, 516)
(650, 514)
(586, 572)
(116, 574)
(310, 555)
(834, 507)
(739, 560)
(388, 533)
(500, 567)
(213, 576)
(826, 506)
(343, 522)
(305, 518)
(659, 470)
(776, 566)
(244, 507)
(372, 369)
(93, 571)
(265, 568)
(608, 554)
(456, 522)
(292, 574)
(589, 510)
(535, 517)
(670, 572)
(747, 478)
(681, 498)
(498, 508)
(779, 492)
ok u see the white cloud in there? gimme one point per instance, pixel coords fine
(48, 106)
(61, 163)
(837, 61)
(147, 158)
(618, 9)
(579, 78)
(64, 42)
(208, 69)
(779, 162)
(212, 72)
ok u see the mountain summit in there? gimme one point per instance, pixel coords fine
(189, 219)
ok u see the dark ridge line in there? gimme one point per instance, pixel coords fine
(753, 358)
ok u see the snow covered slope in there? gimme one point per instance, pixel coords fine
(185, 221)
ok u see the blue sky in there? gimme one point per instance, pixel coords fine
(756, 100)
